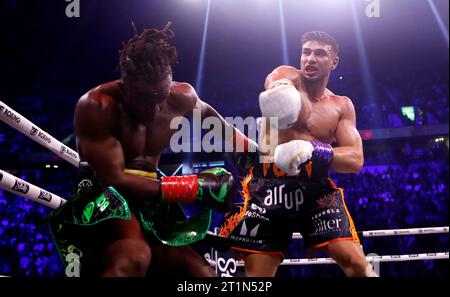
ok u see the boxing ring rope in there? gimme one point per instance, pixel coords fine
(370, 259)
(24, 189)
(374, 259)
(26, 127)
(395, 232)
(20, 187)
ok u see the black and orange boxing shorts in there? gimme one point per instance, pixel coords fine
(275, 206)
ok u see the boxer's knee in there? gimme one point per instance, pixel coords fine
(355, 266)
(262, 265)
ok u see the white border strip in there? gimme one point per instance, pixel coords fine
(20, 123)
(18, 186)
(371, 259)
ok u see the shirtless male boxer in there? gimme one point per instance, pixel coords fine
(121, 128)
(294, 192)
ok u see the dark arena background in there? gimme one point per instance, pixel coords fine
(394, 58)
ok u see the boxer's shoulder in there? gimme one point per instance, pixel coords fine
(338, 99)
(99, 102)
(343, 103)
(182, 96)
(346, 101)
(182, 88)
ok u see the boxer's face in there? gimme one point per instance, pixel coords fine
(145, 94)
(317, 60)
(141, 96)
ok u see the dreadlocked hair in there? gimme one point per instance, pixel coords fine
(148, 56)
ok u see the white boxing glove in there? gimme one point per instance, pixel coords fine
(290, 155)
(281, 100)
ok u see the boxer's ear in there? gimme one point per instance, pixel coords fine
(335, 62)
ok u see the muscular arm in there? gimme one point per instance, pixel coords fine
(94, 124)
(229, 133)
(208, 111)
(348, 155)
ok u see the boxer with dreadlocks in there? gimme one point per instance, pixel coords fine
(121, 129)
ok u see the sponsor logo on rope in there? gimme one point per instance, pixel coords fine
(42, 135)
(401, 232)
(33, 131)
(20, 186)
(9, 114)
(44, 195)
(65, 151)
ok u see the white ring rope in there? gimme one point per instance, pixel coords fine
(22, 124)
(370, 259)
(19, 187)
(396, 232)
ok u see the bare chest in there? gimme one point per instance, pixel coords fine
(147, 141)
(317, 121)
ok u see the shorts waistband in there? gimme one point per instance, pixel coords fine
(141, 173)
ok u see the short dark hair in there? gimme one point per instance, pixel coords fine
(323, 37)
(147, 56)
